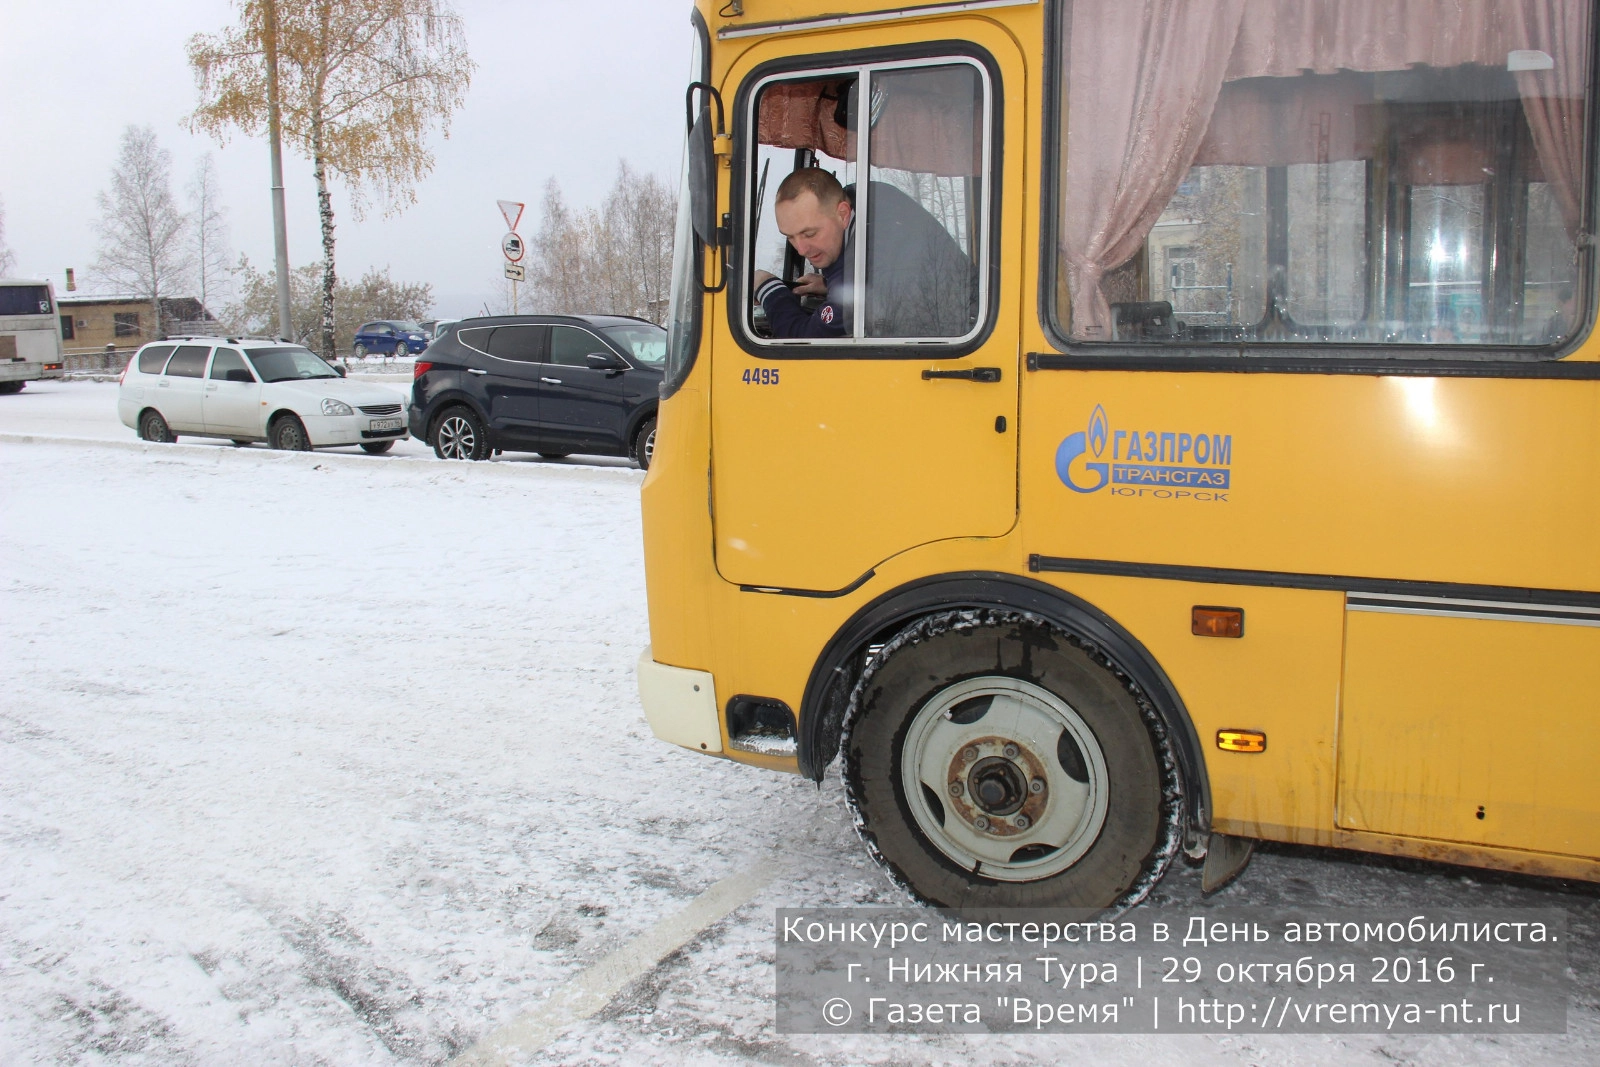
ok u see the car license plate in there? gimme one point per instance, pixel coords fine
(386, 424)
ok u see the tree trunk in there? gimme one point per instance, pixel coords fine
(325, 214)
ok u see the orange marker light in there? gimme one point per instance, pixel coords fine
(1241, 740)
(1216, 622)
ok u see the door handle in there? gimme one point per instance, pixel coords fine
(971, 374)
(211, 388)
(164, 384)
(551, 381)
(475, 370)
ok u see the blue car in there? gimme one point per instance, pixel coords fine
(390, 337)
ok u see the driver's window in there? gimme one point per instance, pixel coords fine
(898, 259)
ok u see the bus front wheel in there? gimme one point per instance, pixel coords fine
(992, 760)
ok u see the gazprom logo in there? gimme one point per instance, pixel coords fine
(1172, 464)
(1076, 445)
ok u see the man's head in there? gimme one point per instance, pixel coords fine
(813, 213)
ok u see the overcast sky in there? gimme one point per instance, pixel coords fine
(563, 89)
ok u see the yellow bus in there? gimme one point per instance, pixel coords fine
(1114, 430)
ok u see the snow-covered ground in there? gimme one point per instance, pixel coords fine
(335, 758)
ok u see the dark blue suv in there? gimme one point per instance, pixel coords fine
(551, 384)
(390, 337)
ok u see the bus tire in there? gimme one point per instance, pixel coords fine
(995, 761)
(7, 388)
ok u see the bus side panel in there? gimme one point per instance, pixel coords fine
(1317, 478)
(1281, 678)
(1455, 731)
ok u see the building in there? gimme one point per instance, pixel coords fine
(89, 323)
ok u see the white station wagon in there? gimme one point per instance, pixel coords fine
(250, 390)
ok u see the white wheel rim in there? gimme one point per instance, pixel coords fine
(984, 828)
(456, 439)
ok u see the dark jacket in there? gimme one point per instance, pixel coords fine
(831, 318)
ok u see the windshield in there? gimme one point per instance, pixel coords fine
(24, 300)
(406, 327)
(288, 364)
(647, 344)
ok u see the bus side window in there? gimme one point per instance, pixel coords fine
(1307, 176)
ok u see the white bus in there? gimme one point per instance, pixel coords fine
(30, 333)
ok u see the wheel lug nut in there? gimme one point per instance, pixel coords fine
(1036, 786)
(1021, 822)
(955, 789)
(1012, 751)
(971, 752)
(980, 823)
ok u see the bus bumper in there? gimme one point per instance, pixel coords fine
(29, 371)
(679, 704)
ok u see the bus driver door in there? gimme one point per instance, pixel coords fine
(888, 420)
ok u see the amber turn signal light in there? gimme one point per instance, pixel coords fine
(1241, 740)
(1216, 622)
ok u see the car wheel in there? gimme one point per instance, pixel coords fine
(554, 455)
(376, 448)
(992, 760)
(458, 434)
(401, 351)
(7, 388)
(289, 434)
(152, 427)
(361, 351)
(644, 444)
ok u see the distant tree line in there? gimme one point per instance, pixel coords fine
(374, 296)
(612, 259)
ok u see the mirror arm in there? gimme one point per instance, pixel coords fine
(711, 91)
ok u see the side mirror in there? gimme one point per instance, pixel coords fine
(239, 374)
(338, 368)
(702, 159)
(703, 178)
(606, 361)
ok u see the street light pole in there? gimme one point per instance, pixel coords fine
(280, 230)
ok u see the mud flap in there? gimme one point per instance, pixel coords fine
(1226, 857)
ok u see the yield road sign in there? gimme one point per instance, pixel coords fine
(516, 273)
(512, 211)
(511, 245)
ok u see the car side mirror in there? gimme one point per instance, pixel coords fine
(239, 374)
(606, 361)
(338, 368)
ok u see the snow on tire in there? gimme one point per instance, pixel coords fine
(993, 760)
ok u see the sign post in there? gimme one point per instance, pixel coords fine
(511, 246)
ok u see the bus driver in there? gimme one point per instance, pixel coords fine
(817, 217)
(921, 284)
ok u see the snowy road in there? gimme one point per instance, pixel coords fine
(337, 759)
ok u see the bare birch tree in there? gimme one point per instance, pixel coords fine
(144, 249)
(8, 258)
(362, 83)
(208, 232)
